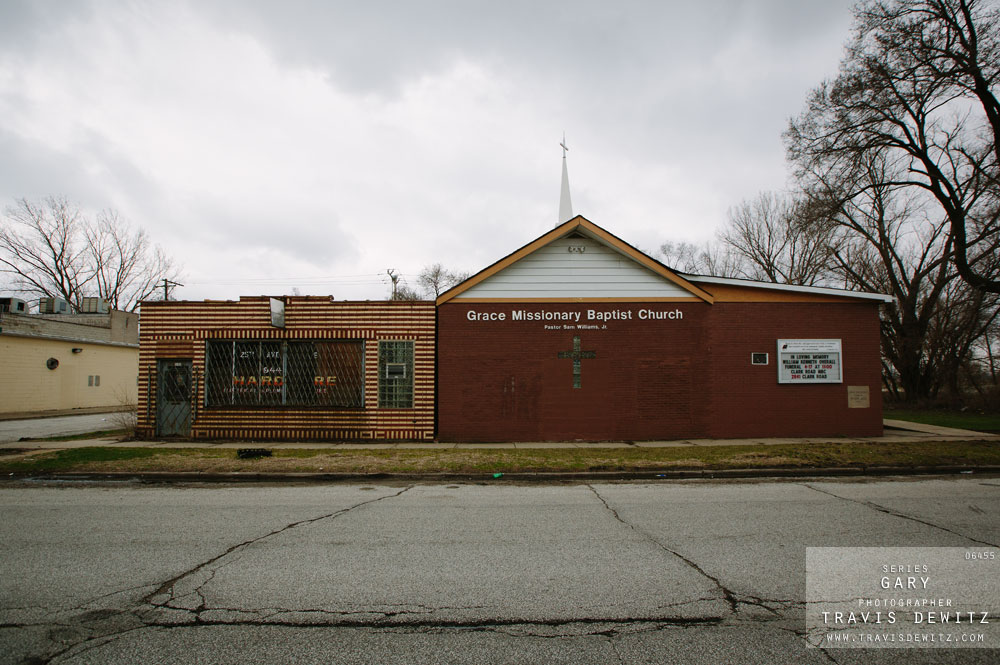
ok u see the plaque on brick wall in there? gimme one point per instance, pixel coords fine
(858, 397)
(809, 361)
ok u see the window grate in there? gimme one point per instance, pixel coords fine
(258, 373)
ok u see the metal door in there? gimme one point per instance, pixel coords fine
(173, 398)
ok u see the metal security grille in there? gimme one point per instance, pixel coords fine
(258, 373)
(174, 387)
(395, 375)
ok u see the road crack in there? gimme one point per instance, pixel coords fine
(162, 598)
(167, 587)
(895, 513)
(731, 599)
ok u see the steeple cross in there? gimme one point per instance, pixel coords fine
(576, 355)
(563, 144)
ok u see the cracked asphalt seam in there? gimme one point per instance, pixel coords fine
(728, 595)
(894, 513)
(169, 584)
(167, 588)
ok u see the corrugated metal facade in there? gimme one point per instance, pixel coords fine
(181, 331)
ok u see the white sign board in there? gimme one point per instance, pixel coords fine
(809, 361)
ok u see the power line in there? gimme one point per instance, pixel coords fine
(167, 283)
(367, 278)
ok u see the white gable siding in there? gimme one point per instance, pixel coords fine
(555, 272)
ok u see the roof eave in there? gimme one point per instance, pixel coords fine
(818, 290)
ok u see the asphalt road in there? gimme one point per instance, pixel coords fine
(692, 572)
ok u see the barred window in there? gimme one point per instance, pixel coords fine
(270, 373)
(395, 375)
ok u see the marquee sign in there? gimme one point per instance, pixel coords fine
(809, 361)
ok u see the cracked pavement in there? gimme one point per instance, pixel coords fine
(604, 573)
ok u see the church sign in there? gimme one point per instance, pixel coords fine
(809, 361)
(580, 315)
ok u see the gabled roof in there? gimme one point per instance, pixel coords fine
(587, 228)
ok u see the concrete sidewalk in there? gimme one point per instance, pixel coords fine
(896, 431)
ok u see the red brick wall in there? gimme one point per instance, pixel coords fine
(653, 379)
(754, 404)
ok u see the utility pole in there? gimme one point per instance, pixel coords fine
(394, 276)
(166, 287)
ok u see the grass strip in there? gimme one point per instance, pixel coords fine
(979, 422)
(480, 461)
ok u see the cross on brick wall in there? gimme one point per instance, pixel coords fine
(576, 355)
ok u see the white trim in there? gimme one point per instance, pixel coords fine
(821, 290)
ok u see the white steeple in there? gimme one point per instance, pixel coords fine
(565, 204)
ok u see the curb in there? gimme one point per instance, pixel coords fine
(604, 476)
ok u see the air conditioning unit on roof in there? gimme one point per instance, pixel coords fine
(94, 306)
(53, 306)
(13, 305)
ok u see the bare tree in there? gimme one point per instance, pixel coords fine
(708, 259)
(887, 240)
(405, 292)
(40, 249)
(777, 241)
(127, 267)
(436, 279)
(918, 90)
(983, 368)
(50, 249)
(682, 256)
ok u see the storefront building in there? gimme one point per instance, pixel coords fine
(287, 368)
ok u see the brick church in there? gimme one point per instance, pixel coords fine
(580, 336)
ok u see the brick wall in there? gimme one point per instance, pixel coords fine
(684, 377)
(754, 404)
(180, 330)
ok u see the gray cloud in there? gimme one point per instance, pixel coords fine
(365, 135)
(27, 25)
(616, 46)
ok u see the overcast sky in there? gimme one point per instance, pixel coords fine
(313, 144)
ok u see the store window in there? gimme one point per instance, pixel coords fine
(270, 373)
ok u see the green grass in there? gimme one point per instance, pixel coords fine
(64, 460)
(489, 461)
(980, 422)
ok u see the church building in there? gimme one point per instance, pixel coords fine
(580, 336)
